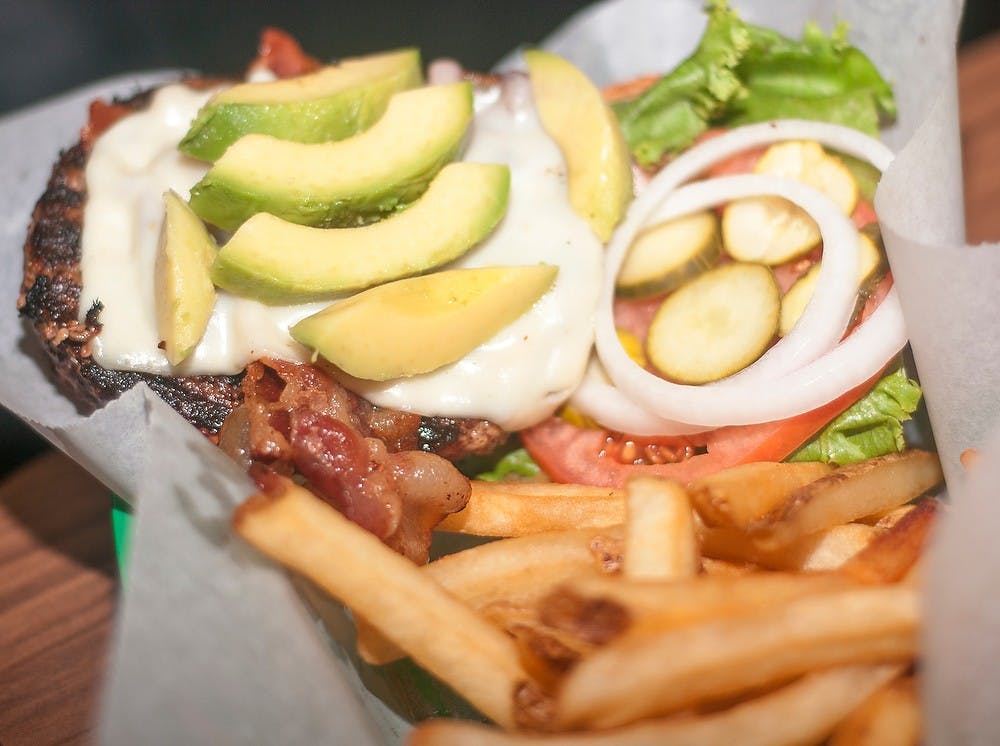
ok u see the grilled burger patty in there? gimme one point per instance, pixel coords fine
(50, 300)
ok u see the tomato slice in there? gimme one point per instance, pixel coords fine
(575, 455)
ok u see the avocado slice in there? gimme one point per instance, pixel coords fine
(350, 182)
(183, 288)
(574, 114)
(419, 324)
(275, 261)
(333, 103)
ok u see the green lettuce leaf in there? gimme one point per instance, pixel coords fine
(820, 77)
(677, 108)
(872, 427)
(515, 463)
(742, 73)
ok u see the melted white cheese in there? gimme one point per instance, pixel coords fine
(521, 375)
(517, 378)
(129, 169)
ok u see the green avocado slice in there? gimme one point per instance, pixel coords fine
(350, 182)
(333, 103)
(419, 324)
(573, 112)
(183, 287)
(278, 262)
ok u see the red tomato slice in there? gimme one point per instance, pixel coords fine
(863, 214)
(740, 163)
(574, 455)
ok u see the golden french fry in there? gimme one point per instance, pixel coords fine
(802, 712)
(548, 652)
(851, 492)
(890, 556)
(519, 570)
(914, 577)
(735, 497)
(659, 530)
(824, 550)
(520, 508)
(297, 529)
(529, 564)
(712, 566)
(646, 675)
(599, 609)
(889, 717)
(887, 518)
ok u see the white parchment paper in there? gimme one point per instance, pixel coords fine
(213, 647)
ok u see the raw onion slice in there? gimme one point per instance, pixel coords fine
(601, 401)
(755, 395)
(829, 311)
(852, 362)
(649, 207)
(855, 360)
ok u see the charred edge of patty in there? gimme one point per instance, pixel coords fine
(50, 301)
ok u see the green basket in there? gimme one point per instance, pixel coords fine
(121, 527)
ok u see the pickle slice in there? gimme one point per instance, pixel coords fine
(870, 271)
(716, 324)
(772, 230)
(669, 254)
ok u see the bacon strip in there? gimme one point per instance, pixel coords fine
(281, 54)
(297, 420)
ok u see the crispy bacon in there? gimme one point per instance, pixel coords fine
(295, 419)
(334, 457)
(281, 54)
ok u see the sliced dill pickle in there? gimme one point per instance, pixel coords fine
(669, 254)
(870, 272)
(716, 324)
(772, 230)
(866, 176)
(874, 263)
(794, 302)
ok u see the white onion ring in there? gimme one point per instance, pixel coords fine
(604, 403)
(859, 357)
(836, 291)
(751, 399)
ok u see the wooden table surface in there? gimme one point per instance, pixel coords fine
(58, 582)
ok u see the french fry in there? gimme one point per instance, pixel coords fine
(297, 529)
(712, 566)
(802, 712)
(735, 497)
(660, 538)
(630, 679)
(890, 556)
(548, 652)
(887, 518)
(529, 564)
(851, 492)
(599, 609)
(520, 508)
(519, 570)
(889, 717)
(824, 550)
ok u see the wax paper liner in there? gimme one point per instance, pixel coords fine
(213, 645)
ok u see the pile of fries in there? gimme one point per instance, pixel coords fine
(772, 603)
